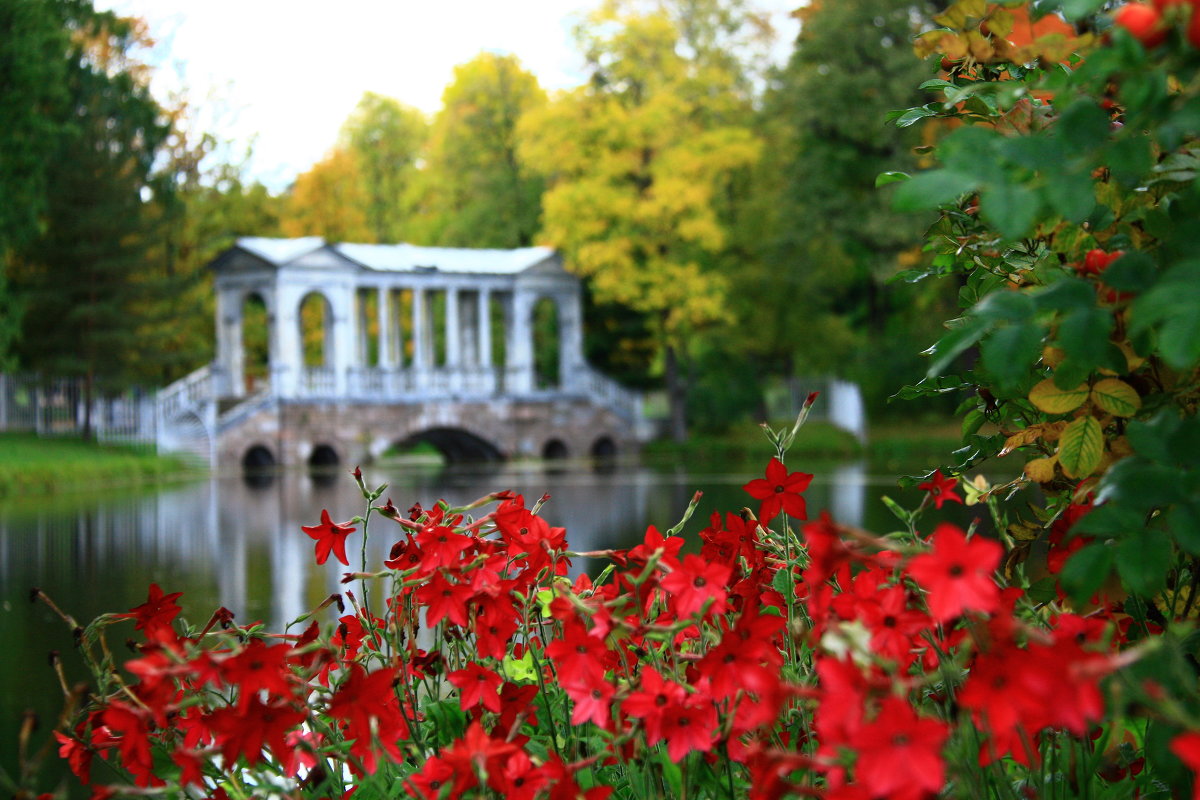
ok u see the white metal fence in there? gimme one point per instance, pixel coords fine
(57, 407)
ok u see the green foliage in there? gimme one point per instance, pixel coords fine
(386, 138)
(1069, 206)
(472, 190)
(80, 279)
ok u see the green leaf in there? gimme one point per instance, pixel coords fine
(1081, 447)
(1071, 372)
(914, 115)
(1065, 295)
(1053, 400)
(1116, 397)
(1010, 207)
(1084, 125)
(672, 774)
(931, 189)
(1010, 351)
(1071, 195)
(1152, 437)
(1083, 335)
(885, 178)
(1141, 485)
(901, 513)
(1143, 560)
(1132, 272)
(1183, 523)
(1006, 307)
(1129, 159)
(1078, 9)
(1110, 521)
(785, 584)
(1086, 570)
(970, 330)
(1179, 341)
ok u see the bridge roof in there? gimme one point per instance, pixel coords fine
(401, 257)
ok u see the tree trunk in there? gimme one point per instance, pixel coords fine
(676, 396)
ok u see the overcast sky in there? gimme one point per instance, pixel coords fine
(284, 74)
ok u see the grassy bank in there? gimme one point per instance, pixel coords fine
(887, 446)
(30, 465)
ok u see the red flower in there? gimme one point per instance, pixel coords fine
(330, 537)
(593, 702)
(245, 730)
(941, 489)
(154, 616)
(1187, 747)
(899, 753)
(779, 491)
(477, 686)
(694, 582)
(958, 573)
(259, 667)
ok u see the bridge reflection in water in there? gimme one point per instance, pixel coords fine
(239, 543)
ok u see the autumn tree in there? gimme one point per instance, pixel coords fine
(474, 191)
(385, 138)
(329, 200)
(637, 161)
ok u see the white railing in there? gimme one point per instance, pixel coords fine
(188, 394)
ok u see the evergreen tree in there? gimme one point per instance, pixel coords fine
(80, 279)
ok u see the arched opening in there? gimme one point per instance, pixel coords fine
(604, 454)
(604, 447)
(554, 450)
(256, 346)
(316, 331)
(258, 466)
(546, 344)
(456, 445)
(323, 457)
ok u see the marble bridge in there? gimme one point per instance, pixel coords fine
(333, 353)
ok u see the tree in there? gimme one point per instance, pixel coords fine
(831, 237)
(474, 190)
(386, 138)
(637, 160)
(330, 201)
(80, 278)
(33, 72)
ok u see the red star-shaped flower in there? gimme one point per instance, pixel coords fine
(330, 537)
(958, 573)
(941, 489)
(779, 491)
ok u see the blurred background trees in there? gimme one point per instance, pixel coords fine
(721, 212)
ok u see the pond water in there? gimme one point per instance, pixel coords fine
(237, 542)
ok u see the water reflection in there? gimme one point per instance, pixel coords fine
(238, 543)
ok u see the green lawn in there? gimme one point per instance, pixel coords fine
(36, 466)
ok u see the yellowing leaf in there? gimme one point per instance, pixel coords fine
(1041, 470)
(1081, 447)
(1116, 397)
(1024, 531)
(956, 16)
(1132, 359)
(1049, 398)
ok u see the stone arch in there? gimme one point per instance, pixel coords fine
(458, 445)
(604, 447)
(258, 458)
(255, 344)
(314, 316)
(546, 327)
(324, 456)
(555, 450)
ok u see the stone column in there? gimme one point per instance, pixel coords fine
(288, 359)
(453, 340)
(342, 307)
(570, 340)
(421, 341)
(230, 356)
(387, 360)
(483, 319)
(520, 342)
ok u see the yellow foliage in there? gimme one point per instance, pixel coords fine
(329, 201)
